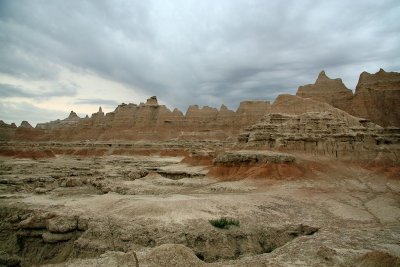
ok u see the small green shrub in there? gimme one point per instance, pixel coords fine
(224, 223)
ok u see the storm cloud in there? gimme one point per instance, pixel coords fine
(186, 52)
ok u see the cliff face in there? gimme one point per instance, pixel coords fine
(311, 126)
(148, 121)
(376, 97)
(324, 133)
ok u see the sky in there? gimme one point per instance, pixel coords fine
(57, 56)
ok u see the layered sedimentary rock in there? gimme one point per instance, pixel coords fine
(73, 118)
(295, 105)
(149, 121)
(376, 99)
(331, 91)
(254, 164)
(25, 130)
(306, 125)
(376, 96)
(324, 133)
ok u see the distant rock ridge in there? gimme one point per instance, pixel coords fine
(151, 121)
(72, 119)
(25, 124)
(73, 115)
(376, 97)
(152, 101)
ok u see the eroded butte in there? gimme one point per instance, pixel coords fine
(309, 180)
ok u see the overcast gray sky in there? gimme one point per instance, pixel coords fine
(57, 56)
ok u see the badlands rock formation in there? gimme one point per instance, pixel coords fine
(317, 120)
(305, 183)
(376, 97)
(147, 121)
(335, 134)
(331, 91)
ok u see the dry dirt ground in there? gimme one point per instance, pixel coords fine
(155, 211)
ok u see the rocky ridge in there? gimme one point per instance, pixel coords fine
(376, 99)
(146, 121)
(324, 133)
(376, 96)
(331, 91)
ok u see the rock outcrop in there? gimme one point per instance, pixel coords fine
(25, 124)
(325, 133)
(376, 96)
(295, 105)
(331, 91)
(73, 118)
(148, 121)
(376, 99)
(243, 157)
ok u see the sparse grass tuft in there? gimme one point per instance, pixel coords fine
(224, 223)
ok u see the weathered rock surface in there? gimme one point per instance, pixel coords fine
(56, 237)
(376, 96)
(149, 121)
(9, 260)
(244, 164)
(25, 124)
(70, 120)
(60, 224)
(174, 255)
(336, 135)
(36, 221)
(244, 157)
(340, 214)
(331, 91)
(295, 105)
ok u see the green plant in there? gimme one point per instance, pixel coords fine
(224, 223)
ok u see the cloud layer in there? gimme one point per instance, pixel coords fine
(185, 52)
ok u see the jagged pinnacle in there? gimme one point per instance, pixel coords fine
(322, 76)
